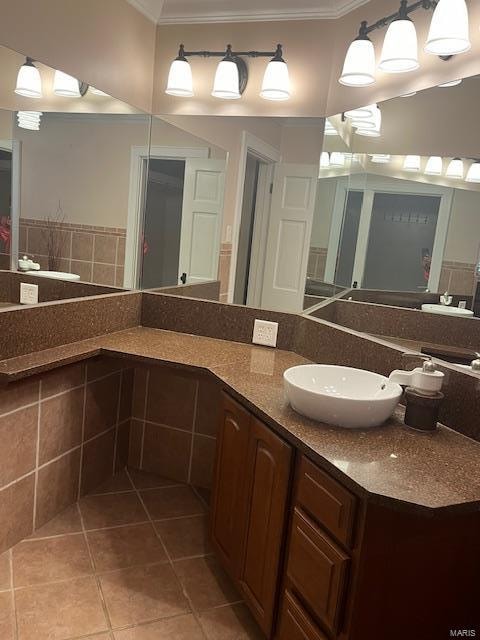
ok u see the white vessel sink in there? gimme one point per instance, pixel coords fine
(341, 396)
(446, 310)
(55, 275)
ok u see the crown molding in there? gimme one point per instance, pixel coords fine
(153, 16)
(264, 16)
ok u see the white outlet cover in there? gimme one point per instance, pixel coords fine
(28, 293)
(265, 333)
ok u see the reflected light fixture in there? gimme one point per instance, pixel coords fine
(361, 113)
(380, 158)
(98, 92)
(449, 29)
(29, 82)
(400, 47)
(329, 129)
(29, 120)
(371, 128)
(359, 66)
(231, 75)
(448, 35)
(337, 159)
(408, 95)
(276, 81)
(324, 160)
(227, 78)
(451, 83)
(434, 166)
(455, 169)
(180, 81)
(65, 85)
(411, 163)
(473, 173)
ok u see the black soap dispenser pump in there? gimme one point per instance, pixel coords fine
(422, 394)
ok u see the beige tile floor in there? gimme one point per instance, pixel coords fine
(130, 562)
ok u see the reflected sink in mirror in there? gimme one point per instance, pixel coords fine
(341, 396)
(447, 310)
(55, 275)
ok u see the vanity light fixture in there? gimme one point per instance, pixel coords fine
(98, 92)
(372, 127)
(452, 83)
(361, 113)
(231, 76)
(329, 129)
(473, 173)
(400, 47)
(411, 163)
(448, 35)
(29, 120)
(324, 160)
(67, 86)
(380, 158)
(408, 95)
(449, 29)
(434, 166)
(337, 160)
(455, 169)
(29, 82)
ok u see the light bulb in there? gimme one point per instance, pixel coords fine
(449, 29)
(473, 174)
(29, 120)
(98, 92)
(434, 166)
(452, 83)
(361, 113)
(227, 79)
(380, 158)
(400, 47)
(455, 169)
(65, 85)
(276, 81)
(359, 66)
(337, 159)
(29, 82)
(411, 163)
(324, 160)
(180, 81)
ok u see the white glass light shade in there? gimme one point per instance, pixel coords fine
(473, 174)
(180, 82)
(65, 85)
(98, 92)
(371, 128)
(226, 83)
(400, 48)
(380, 158)
(362, 113)
(276, 81)
(455, 169)
(409, 95)
(434, 166)
(29, 120)
(337, 159)
(324, 160)
(29, 82)
(359, 66)
(411, 163)
(452, 83)
(449, 31)
(329, 129)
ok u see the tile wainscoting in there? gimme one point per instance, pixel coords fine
(224, 265)
(317, 259)
(457, 278)
(97, 254)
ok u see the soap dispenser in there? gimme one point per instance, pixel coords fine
(422, 394)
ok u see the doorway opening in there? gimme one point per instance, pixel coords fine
(5, 207)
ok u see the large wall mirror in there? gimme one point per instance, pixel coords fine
(405, 224)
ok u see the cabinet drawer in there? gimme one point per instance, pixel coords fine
(317, 569)
(326, 501)
(295, 623)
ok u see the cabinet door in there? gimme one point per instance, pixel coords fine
(295, 623)
(228, 508)
(268, 473)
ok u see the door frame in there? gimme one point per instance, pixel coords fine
(15, 147)
(139, 158)
(425, 189)
(268, 155)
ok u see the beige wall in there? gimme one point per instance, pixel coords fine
(326, 190)
(463, 242)
(106, 43)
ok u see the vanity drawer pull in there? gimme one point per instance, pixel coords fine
(317, 570)
(295, 623)
(330, 504)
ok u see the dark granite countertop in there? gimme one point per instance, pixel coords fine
(435, 473)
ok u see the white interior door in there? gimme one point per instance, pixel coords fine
(293, 204)
(201, 219)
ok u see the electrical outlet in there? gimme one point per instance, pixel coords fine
(28, 293)
(265, 333)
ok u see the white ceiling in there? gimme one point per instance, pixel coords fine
(196, 11)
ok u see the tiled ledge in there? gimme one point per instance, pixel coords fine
(391, 464)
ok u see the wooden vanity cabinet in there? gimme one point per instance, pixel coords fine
(249, 509)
